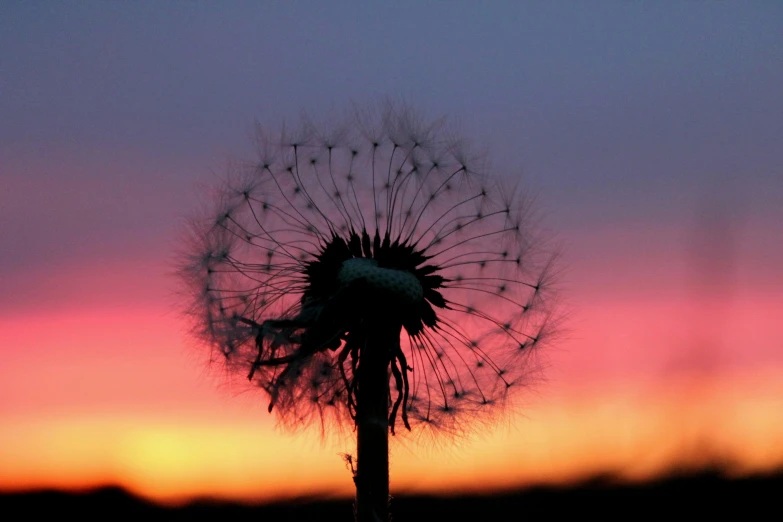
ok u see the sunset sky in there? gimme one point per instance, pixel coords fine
(651, 132)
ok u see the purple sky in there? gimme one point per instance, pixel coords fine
(631, 119)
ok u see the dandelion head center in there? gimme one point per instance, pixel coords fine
(399, 283)
(361, 278)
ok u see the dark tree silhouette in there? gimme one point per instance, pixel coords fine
(372, 274)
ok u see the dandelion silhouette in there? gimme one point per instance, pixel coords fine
(372, 275)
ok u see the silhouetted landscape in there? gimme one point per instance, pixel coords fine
(703, 494)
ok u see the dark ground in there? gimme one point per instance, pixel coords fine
(707, 494)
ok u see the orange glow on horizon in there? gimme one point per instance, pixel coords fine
(122, 400)
(172, 462)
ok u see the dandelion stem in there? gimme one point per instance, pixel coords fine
(372, 421)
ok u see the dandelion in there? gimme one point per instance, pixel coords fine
(372, 275)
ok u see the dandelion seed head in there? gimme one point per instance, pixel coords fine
(382, 216)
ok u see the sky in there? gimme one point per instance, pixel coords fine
(650, 132)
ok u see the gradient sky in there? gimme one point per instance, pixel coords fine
(652, 132)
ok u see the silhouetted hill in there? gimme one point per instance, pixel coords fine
(704, 495)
